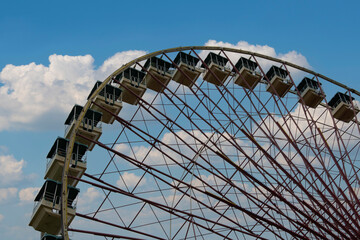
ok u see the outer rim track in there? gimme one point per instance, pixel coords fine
(144, 57)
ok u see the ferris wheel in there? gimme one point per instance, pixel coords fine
(207, 143)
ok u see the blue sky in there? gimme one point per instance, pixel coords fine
(326, 33)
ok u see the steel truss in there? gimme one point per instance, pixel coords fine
(224, 161)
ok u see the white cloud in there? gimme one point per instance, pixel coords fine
(91, 194)
(114, 62)
(210, 179)
(7, 193)
(130, 179)
(177, 142)
(39, 96)
(11, 170)
(1, 217)
(292, 56)
(87, 198)
(321, 117)
(28, 194)
(121, 147)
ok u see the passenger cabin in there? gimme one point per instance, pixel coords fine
(90, 126)
(310, 92)
(342, 107)
(158, 74)
(46, 215)
(248, 77)
(109, 98)
(186, 72)
(56, 158)
(131, 81)
(217, 72)
(277, 81)
(51, 237)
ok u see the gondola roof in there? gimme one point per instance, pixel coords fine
(108, 89)
(62, 143)
(90, 113)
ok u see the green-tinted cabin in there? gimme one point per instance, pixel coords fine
(108, 98)
(90, 126)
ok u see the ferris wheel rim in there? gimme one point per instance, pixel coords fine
(145, 57)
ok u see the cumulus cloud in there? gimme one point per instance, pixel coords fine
(91, 194)
(322, 118)
(87, 198)
(291, 56)
(114, 62)
(28, 194)
(39, 96)
(130, 180)
(7, 193)
(176, 148)
(296, 125)
(11, 170)
(122, 147)
(211, 179)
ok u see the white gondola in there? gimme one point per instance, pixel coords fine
(248, 77)
(132, 84)
(217, 72)
(310, 92)
(158, 74)
(186, 64)
(108, 98)
(278, 82)
(342, 107)
(46, 215)
(90, 126)
(56, 158)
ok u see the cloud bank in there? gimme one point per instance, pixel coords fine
(292, 56)
(11, 170)
(40, 97)
(27, 195)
